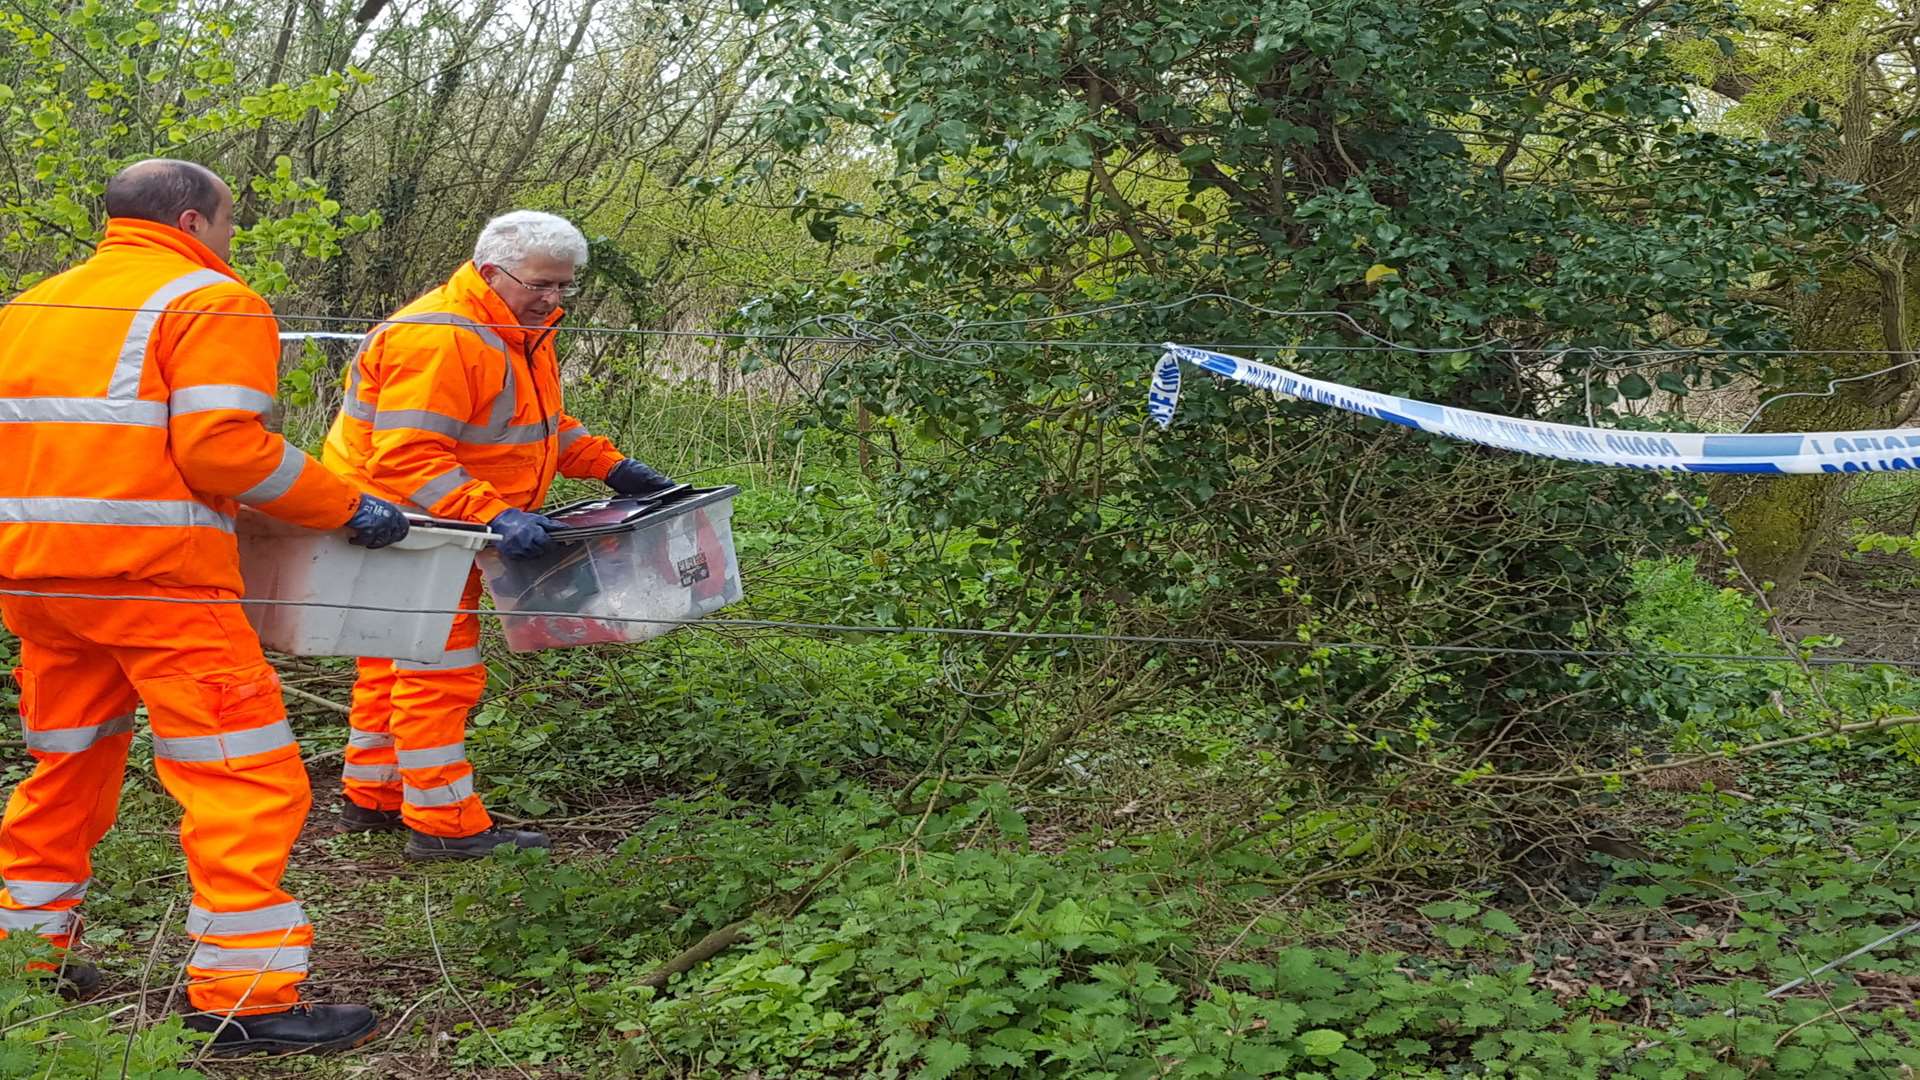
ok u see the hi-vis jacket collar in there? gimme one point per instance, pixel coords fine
(469, 287)
(133, 233)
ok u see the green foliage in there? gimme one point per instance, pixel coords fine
(681, 711)
(1675, 610)
(308, 224)
(1408, 166)
(86, 88)
(698, 863)
(43, 1035)
(991, 964)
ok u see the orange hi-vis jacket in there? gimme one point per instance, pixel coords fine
(454, 409)
(130, 419)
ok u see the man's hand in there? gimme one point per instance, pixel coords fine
(630, 477)
(524, 535)
(376, 523)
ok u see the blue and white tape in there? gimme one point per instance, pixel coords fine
(318, 335)
(1816, 452)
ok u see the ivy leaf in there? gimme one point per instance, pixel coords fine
(1379, 272)
(1634, 388)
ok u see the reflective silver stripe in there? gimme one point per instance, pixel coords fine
(439, 487)
(441, 424)
(519, 434)
(195, 399)
(451, 660)
(445, 795)
(424, 420)
(177, 513)
(38, 922)
(280, 480)
(372, 774)
(59, 410)
(437, 318)
(125, 385)
(286, 916)
(573, 435)
(30, 894)
(366, 411)
(368, 740)
(232, 744)
(353, 406)
(75, 739)
(499, 430)
(450, 754)
(507, 399)
(221, 958)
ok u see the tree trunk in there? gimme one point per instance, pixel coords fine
(1778, 522)
(509, 173)
(248, 210)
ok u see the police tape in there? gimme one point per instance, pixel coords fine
(1817, 452)
(318, 335)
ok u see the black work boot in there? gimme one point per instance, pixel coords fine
(357, 818)
(424, 848)
(303, 1029)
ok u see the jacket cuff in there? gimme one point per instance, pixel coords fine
(605, 466)
(486, 511)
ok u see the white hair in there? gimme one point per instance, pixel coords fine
(510, 238)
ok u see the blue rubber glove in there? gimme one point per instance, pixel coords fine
(630, 477)
(376, 524)
(523, 535)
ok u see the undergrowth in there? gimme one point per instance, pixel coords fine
(1180, 891)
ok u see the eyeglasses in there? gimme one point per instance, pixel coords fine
(568, 289)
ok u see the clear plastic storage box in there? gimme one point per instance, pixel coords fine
(421, 574)
(667, 557)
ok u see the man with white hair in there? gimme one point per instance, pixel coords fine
(453, 408)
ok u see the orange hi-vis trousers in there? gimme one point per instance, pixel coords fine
(407, 749)
(221, 746)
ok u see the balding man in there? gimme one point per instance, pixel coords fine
(131, 394)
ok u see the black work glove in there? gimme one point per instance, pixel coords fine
(377, 523)
(524, 535)
(630, 477)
